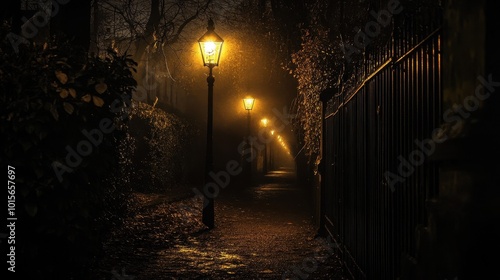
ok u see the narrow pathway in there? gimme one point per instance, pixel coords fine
(263, 232)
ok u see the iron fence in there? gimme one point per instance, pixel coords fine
(372, 129)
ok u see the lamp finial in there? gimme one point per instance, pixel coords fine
(211, 25)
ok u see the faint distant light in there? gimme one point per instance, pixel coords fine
(282, 142)
(264, 122)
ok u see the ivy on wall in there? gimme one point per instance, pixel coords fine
(315, 66)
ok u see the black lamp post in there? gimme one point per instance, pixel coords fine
(248, 104)
(210, 46)
(264, 122)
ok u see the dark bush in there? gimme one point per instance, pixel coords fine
(49, 96)
(162, 138)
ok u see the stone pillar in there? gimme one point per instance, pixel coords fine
(464, 217)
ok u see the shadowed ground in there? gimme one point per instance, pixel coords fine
(262, 232)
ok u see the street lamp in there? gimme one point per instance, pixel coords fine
(264, 122)
(271, 151)
(248, 104)
(210, 47)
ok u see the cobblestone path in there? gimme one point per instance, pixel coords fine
(262, 232)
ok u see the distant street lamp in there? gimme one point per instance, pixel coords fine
(264, 122)
(210, 47)
(271, 151)
(248, 104)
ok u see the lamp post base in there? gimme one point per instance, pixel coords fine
(208, 214)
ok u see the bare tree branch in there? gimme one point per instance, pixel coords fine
(187, 21)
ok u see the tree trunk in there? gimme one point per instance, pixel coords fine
(151, 27)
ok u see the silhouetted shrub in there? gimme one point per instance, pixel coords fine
(161, 141)
(50, 97)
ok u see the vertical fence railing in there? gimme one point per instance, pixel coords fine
(374, 129)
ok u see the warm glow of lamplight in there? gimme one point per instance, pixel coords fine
(210, 52)
(210, 48)
(248, 103)
(264, 122)
(281, 142)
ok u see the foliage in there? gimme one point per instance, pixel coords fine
(316, 66)
(48, 95)
(295, 36)
(162, 139)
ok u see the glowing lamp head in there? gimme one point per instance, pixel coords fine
(210, 46)
(248, 103)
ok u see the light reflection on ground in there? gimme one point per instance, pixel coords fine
(260, 233)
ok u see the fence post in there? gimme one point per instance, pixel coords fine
(325, 96)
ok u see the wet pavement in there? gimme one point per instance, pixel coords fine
(261, 232)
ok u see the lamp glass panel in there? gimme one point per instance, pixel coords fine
(211, 52)
(248, 103)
